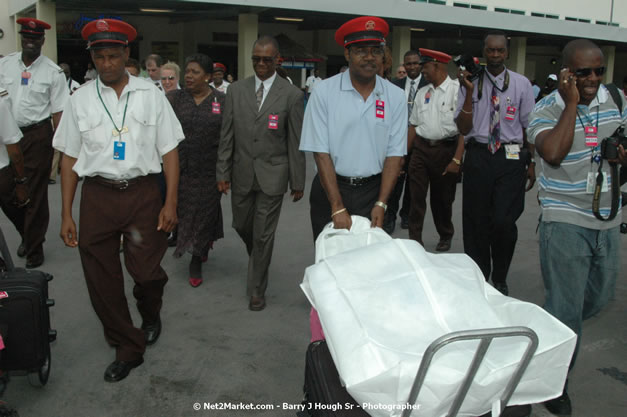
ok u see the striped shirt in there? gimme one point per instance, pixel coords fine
(562, 194)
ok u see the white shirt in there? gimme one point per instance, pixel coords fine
(339, 122)
(408, 85)
(72, 85)
(433, 114)
(86, 131)
(266, 86)
(225, 84)
(10, 133)
(311, 82)
(45, 93)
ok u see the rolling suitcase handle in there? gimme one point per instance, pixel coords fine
(485, 336)
(6, 255)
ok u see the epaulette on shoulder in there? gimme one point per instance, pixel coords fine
(3, 92)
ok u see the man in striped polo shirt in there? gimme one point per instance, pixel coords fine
(579, 253)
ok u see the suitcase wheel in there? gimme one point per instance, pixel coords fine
(39, 378)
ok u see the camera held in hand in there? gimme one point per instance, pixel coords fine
(469, 63)
(609, 146)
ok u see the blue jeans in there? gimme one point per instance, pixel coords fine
(579, 269)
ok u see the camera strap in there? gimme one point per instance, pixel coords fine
(480, 85)
(596, 199)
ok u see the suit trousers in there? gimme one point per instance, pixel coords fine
(493, 199)
(358, 201)
(255, 219)
(106, 214)
(402, 188)
(425, 169)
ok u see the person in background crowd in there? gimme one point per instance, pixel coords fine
(133, 68)
(153, 68)
(401, 73)
(536, 90)
(91, 72)
(410, 84)
(311, 81)
(549, 86)
(71, 84)
(218, 82)
(170, 76)
(625, 86)
(580, 255)
(230, 79)
(493, 114)
(199, 109)
(355, 111)
(386, 70)
(258, 156)
(120, 195)
(283, 73)
(23, 75)
(343, 68)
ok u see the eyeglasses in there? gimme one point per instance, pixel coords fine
(171, 78)
(363, 51)
(585, 72)
(265, 59)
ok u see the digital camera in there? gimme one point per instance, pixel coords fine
(469, 63)
(609, 146)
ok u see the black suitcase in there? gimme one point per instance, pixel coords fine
(25, 318)
(324, 394)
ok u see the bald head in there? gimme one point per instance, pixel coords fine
(576, 47)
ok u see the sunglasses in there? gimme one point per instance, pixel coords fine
(171, 78)
(265, 59)
(363, 51)
(585, 72)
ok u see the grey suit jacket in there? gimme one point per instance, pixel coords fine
(248, 146)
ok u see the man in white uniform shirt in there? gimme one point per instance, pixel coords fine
(437, 149)
(114, 132)
(37, 89)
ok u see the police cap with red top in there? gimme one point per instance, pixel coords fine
(429, 55)
(219, 67)
(362, 29)
(32, 27)
(108, 33)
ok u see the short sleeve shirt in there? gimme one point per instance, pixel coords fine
(43, 93)
(433, 111)
(517, 99)
(10, 133)
(562, 190)
(358, 135)
(87, 133)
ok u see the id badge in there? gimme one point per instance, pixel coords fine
(510, 112)
(215, 108)
(592, 182)
(427, 97)
(273, 121)
(592, 138)
(119, 150)
(25, 77)
(380, 109)
(512, 151)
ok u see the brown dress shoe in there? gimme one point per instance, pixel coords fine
(444, 245)
(257, 303)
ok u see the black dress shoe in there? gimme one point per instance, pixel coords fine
(560, 406)
(444, 245)
(257, 303)
(34, 261)
(118, 370)
(501, 287)
(151, 331)
(389, 224)
(21, 250)
(404, 222)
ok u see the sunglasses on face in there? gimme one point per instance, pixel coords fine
(363, 51)
(265, 59)
(585, 72)
(171, 78)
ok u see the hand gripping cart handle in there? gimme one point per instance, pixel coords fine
(485, 336)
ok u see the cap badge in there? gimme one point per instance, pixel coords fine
(370, 25)
(32, 24)
(102, 25)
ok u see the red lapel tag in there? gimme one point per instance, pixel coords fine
(380, 109)
(591, 136)
(3, 294)
(273, 121)
(510, 113)
(215, 108)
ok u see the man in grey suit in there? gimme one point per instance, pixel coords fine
(258, 155)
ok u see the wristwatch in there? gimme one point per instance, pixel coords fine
(22, 180)
(457, 161)
(382, 205)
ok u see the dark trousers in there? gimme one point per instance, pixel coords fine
(7, 199)
(32, 222)
(425, 168)
(105, 215)
(357, 200)
(402, 184)
(493, 199)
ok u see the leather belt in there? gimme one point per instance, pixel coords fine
(440, 142)
(120, 185)
(35, 125)
(357, 181)
(472, 142)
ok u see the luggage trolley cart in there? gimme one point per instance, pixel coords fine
(322, 383)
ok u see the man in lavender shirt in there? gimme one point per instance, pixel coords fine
(493, 114)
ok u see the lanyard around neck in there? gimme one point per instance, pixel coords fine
(581, 121)
(109, 114)
(502, 90)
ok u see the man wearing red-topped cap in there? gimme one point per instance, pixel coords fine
(218, 82)
(114, 132)
(356, 126)
(37, 91)
(437, 149)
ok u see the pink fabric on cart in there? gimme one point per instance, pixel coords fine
(315, 326)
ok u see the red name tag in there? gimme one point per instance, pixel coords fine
(273, 121)
(3, 294)
(592, 138)
(215, 107)
(510, 113)
(380, 109)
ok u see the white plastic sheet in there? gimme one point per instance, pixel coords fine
(382, 301)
